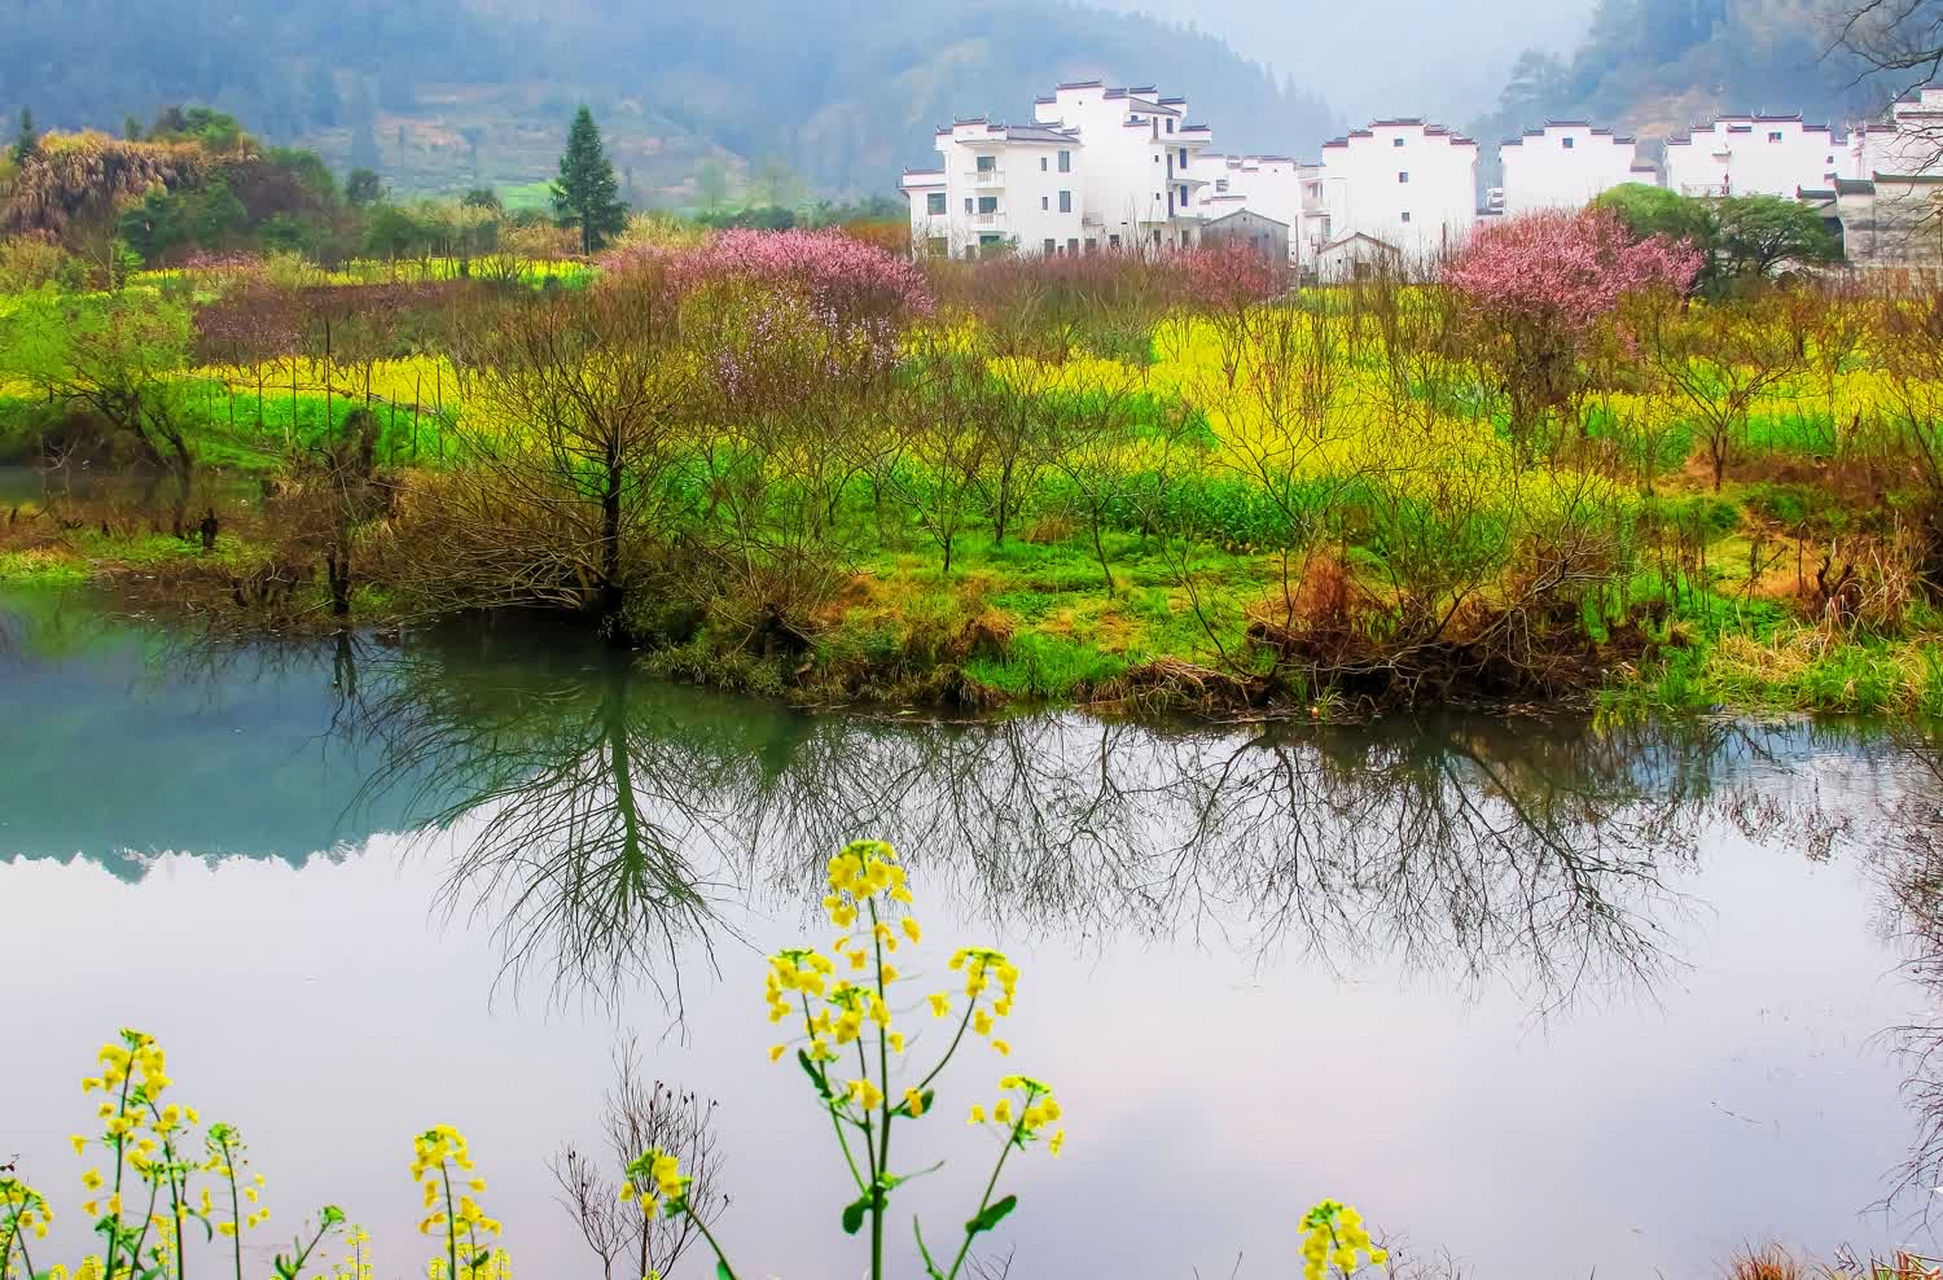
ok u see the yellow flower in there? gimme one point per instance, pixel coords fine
(1058, 1141)
(866, 1094)
(80, 1143)
(1003, 1049)
(890, 974)
(229, 1228)
(477, 1185)
(896, 1040)
(1002, 1112)
(914, 1102)
(940, 1005)
(91, 1207)
(777, 1050)
(911, 929)
(982, 1023)
(977, 1115)
(91, 1179)
(627, 1192)
(858, 959)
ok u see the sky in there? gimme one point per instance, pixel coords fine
(1404, 57)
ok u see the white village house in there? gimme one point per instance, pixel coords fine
(1565, 164)
(1750, 155)
(1406, 183)
(1101, 169)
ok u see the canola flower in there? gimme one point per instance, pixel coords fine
(1334, 1235)
(846, 1005)
(437, 1154)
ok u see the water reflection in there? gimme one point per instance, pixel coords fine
(610, 828)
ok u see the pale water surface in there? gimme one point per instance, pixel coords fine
(1547, 999)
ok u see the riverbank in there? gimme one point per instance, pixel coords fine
(1030, 622)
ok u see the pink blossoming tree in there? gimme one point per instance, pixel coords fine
(1537, 288)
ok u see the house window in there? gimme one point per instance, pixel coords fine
(1183, 197)
(1113, 242)
(1315, 190)
(1406, 215)
(988, 204)
(987, 164)
(1221, 185)
(968, 204)
(1183, 157)
(1072, 244)
(1065, 162)
(1567, 143)
(1396, 142)
(1774, 135)
(1050, 246)
(1045, 202)
(1170, 124)
(934, 202)
(1042, 164)
(1403, 175)
(1065, 202)
(1170, 202)
(1093, 246)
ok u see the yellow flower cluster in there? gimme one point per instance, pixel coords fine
(497, 1266)
(1334, 1234)
(1025, 1113)
(435, 1154)
(356, 1264)
(22, 1210)
(653, 1176)
(863, 870)
(981, 968)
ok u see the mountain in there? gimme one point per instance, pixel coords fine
(1655, 67)
(833, 96)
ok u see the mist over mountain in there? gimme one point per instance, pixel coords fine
(1655, 67)
(441, 94)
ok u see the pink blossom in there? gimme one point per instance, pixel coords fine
(1566, 269)
(831, 269)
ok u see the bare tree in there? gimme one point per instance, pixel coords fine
(638, 1116)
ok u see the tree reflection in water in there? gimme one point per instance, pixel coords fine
(601, 818)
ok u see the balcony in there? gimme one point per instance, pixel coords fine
(986, 219)
(987, 177)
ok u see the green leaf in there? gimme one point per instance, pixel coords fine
(853, 1213)
(993, 1214)
(481, 1259)
(815, 1074)
(332, 1215)
(286, 1268)
(924, 1100)
(722, 1271)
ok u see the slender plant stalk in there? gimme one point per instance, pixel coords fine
(986, 1199)
(451, 1224)
(235, 1209)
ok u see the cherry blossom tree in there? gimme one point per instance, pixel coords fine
(1536, 289)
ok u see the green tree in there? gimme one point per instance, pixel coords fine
(363, 188)
(712, 184)
(131, 128)
(27, 143)
(1760, 233)
(1655, 211)
(587, 195)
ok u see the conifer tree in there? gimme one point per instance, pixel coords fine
(27, 144)
(587, 194)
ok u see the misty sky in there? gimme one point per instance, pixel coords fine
(1394, 57)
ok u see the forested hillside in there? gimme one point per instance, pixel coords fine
(445, 94)
(1654, 67)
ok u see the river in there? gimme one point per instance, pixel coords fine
(1543, 998)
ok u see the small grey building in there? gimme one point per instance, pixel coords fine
(1266, 236)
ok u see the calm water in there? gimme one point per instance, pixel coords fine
(1545, 999)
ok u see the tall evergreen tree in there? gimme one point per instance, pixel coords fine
(28, 143)
(587, 195)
